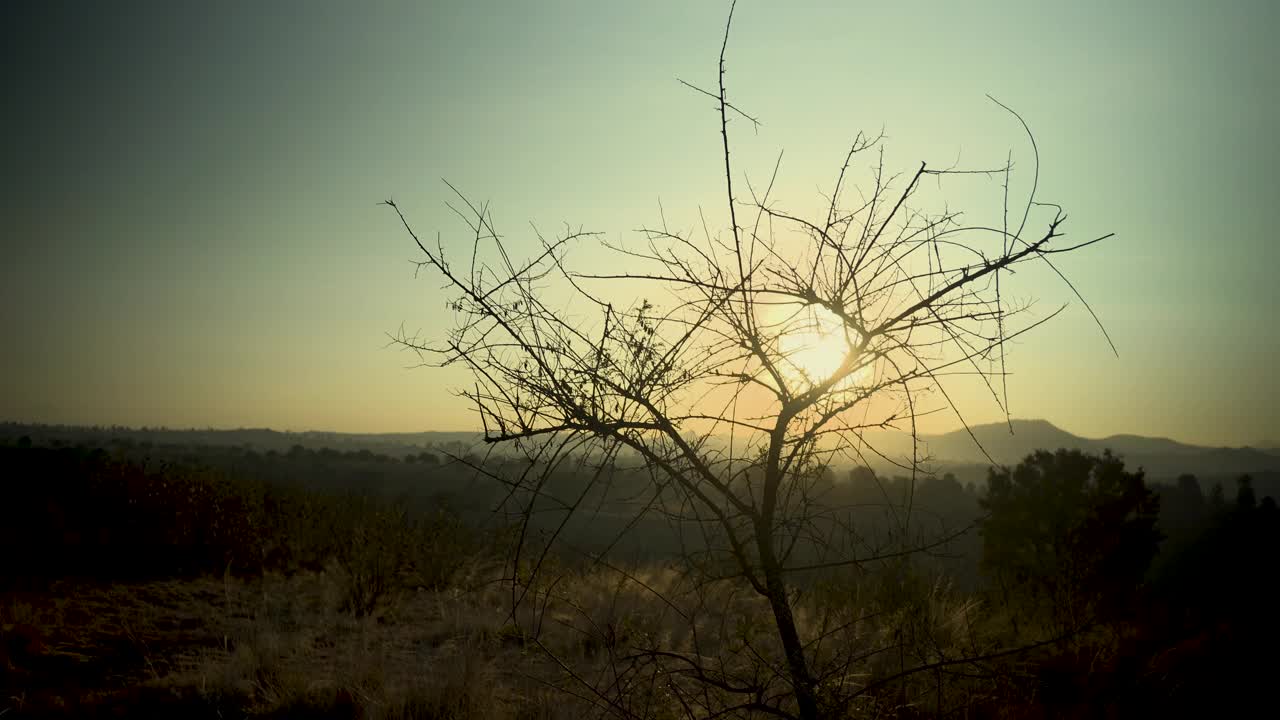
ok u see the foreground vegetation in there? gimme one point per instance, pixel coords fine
(237, 585)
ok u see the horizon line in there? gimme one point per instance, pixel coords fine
(1269, 445)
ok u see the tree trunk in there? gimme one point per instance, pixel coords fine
(784, 619)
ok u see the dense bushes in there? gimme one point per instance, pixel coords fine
(385, 547)
(85, 513)
(74, 512)
(1070, 540)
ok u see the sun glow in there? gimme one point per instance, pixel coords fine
(813, 342)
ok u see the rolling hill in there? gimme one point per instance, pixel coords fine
(1006, 444)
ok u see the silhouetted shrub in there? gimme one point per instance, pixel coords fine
(1070, 535)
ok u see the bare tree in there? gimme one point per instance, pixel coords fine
(761, 355)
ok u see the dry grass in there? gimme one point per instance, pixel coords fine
(273, 646)
(288, 646)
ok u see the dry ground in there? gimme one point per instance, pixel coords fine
(272, 646)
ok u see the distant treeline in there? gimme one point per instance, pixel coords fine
(257, 439)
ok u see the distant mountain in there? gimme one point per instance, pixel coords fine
(1007, 444)
(1004, 443)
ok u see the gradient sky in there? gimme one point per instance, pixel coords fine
(192, 237)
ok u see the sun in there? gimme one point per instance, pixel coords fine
(813, 342)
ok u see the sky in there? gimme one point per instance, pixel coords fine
(193, 237)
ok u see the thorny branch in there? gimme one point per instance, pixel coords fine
(708, 400)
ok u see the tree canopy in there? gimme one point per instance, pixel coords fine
(1070, 533)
